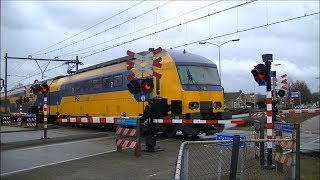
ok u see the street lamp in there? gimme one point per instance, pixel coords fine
(219, 45)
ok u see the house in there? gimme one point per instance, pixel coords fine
(234, 99)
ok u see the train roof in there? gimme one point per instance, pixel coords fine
(178, 57)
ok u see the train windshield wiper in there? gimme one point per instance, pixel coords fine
(190, 78)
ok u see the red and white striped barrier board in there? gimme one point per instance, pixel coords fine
(126, 143)
(286, 144)
(127, 132)
(258, 114)
(31, 122)
(283, 158)
(300, 111)
(6, 120)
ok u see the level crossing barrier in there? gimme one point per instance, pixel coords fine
(128, 135)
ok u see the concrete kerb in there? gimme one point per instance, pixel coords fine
(22, 144)
(23, 129)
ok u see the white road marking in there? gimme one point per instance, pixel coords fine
(44, 165)
(314, 141)
(59, 144)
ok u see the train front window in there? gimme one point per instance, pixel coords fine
(199, 75)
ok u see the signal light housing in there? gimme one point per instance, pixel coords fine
(44, 88)
(36, 88)
(134, 86)
(260, 74)
(281, 93)
(144, 86)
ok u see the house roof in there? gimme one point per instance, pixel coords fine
(231, 95)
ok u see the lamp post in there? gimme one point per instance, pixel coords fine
(219, 45)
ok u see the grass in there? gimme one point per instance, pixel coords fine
(310, 167)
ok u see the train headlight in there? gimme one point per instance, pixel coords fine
(193, 105)
(217, 105)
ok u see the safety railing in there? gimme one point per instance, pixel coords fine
(232, 159)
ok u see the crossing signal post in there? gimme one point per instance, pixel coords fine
(142, 88)
(42, 88)
(261, 74)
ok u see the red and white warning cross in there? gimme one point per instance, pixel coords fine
(284, 82)
(144, 64)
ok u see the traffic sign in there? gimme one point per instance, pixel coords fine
(230, 137)
(126, 121)
(285, 127)
(294, 94)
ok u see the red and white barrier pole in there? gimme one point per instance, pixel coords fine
(45, 120)
(267, 58)
(20, 116)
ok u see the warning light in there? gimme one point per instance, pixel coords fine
(260, 74)
(147, 85)
(44, 88)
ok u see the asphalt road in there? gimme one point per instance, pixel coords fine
(79, 160)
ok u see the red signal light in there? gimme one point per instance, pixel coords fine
(261, 76)
(147, 85)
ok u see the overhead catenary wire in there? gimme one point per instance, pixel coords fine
(37, 74)
(248, 29)
(104, 31)
(165, 29)
(142, 29)
(37, 53)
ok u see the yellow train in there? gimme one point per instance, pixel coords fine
(189, 84)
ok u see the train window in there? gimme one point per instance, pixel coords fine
(198, 75)
(106, 82)
(96, 84)
(86, 85)
(76, 88)
(117, 80)
(68, 89)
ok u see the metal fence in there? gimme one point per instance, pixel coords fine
(216, 160)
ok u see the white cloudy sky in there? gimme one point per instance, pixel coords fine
(30, 26)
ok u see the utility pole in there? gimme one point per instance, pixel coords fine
(6, 57)
(6, 83)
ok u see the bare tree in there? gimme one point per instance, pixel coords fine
(303, 89)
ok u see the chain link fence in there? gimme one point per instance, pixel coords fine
(216, 160)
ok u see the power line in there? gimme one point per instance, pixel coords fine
(36, 74)
(36, 53)
(142, 29)
(165, 29)
(248, 29)
(104, 31)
